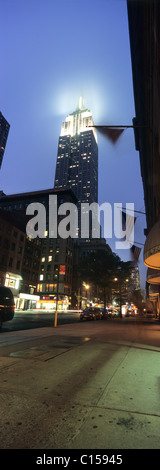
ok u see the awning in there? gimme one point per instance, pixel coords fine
(153, 276)
(151, 253)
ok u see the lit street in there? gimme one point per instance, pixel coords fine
(24, 320)
(89, 385)
(31, 319)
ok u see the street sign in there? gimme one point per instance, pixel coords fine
(62, 269)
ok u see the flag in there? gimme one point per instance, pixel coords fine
(130, 222)
(110, 132)
(135, 252)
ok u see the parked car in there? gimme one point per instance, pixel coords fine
(91, 314)
(150, 314)
(104, 313)
(7, 305)
(113, 313)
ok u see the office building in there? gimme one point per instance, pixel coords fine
(77, 158)
(4, 130)
(144, 34)
(56, 259)
(19, 260)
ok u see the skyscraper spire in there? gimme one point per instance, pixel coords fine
(81, 102)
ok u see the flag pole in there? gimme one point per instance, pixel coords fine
(120, 126)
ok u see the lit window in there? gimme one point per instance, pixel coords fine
(39, 288)
(49, 258)
(41, 277)
(43, 259)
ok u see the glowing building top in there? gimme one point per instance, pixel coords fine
(78, 121)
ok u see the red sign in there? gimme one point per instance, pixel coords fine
(62, 269)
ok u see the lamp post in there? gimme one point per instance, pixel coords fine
(115, 279)
(61, 272)
(56, 311)
(87, 287)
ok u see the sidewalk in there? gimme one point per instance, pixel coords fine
(78, 387)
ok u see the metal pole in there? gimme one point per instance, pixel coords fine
(56, 312)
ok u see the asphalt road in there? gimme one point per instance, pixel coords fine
(25, 320)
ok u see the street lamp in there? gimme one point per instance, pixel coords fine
(87, 287)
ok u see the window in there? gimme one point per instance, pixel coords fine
(49, 258)
(18, 264)
(39, 287)
(6, 243)
(41, 277)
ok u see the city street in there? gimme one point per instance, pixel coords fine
(89, 385)
(26, 319)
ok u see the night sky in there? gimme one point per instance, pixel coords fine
(53, 51)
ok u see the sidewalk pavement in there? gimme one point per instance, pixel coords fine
(79, 387)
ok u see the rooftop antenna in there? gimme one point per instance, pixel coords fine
(81, 102)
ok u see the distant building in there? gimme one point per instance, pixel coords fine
(135, 281)
(81, 252)
(4, 130)
(77, 158)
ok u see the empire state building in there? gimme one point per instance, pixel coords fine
(77, 158)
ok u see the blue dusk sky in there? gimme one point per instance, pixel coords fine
(53, 51)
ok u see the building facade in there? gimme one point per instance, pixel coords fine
(19, 260)
(144, 34)
(56, 258)
(4, 130)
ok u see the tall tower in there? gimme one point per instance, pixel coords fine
(77, 158)
(4, 129)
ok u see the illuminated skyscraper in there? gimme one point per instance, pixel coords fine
(77, 158)
(4, 129)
